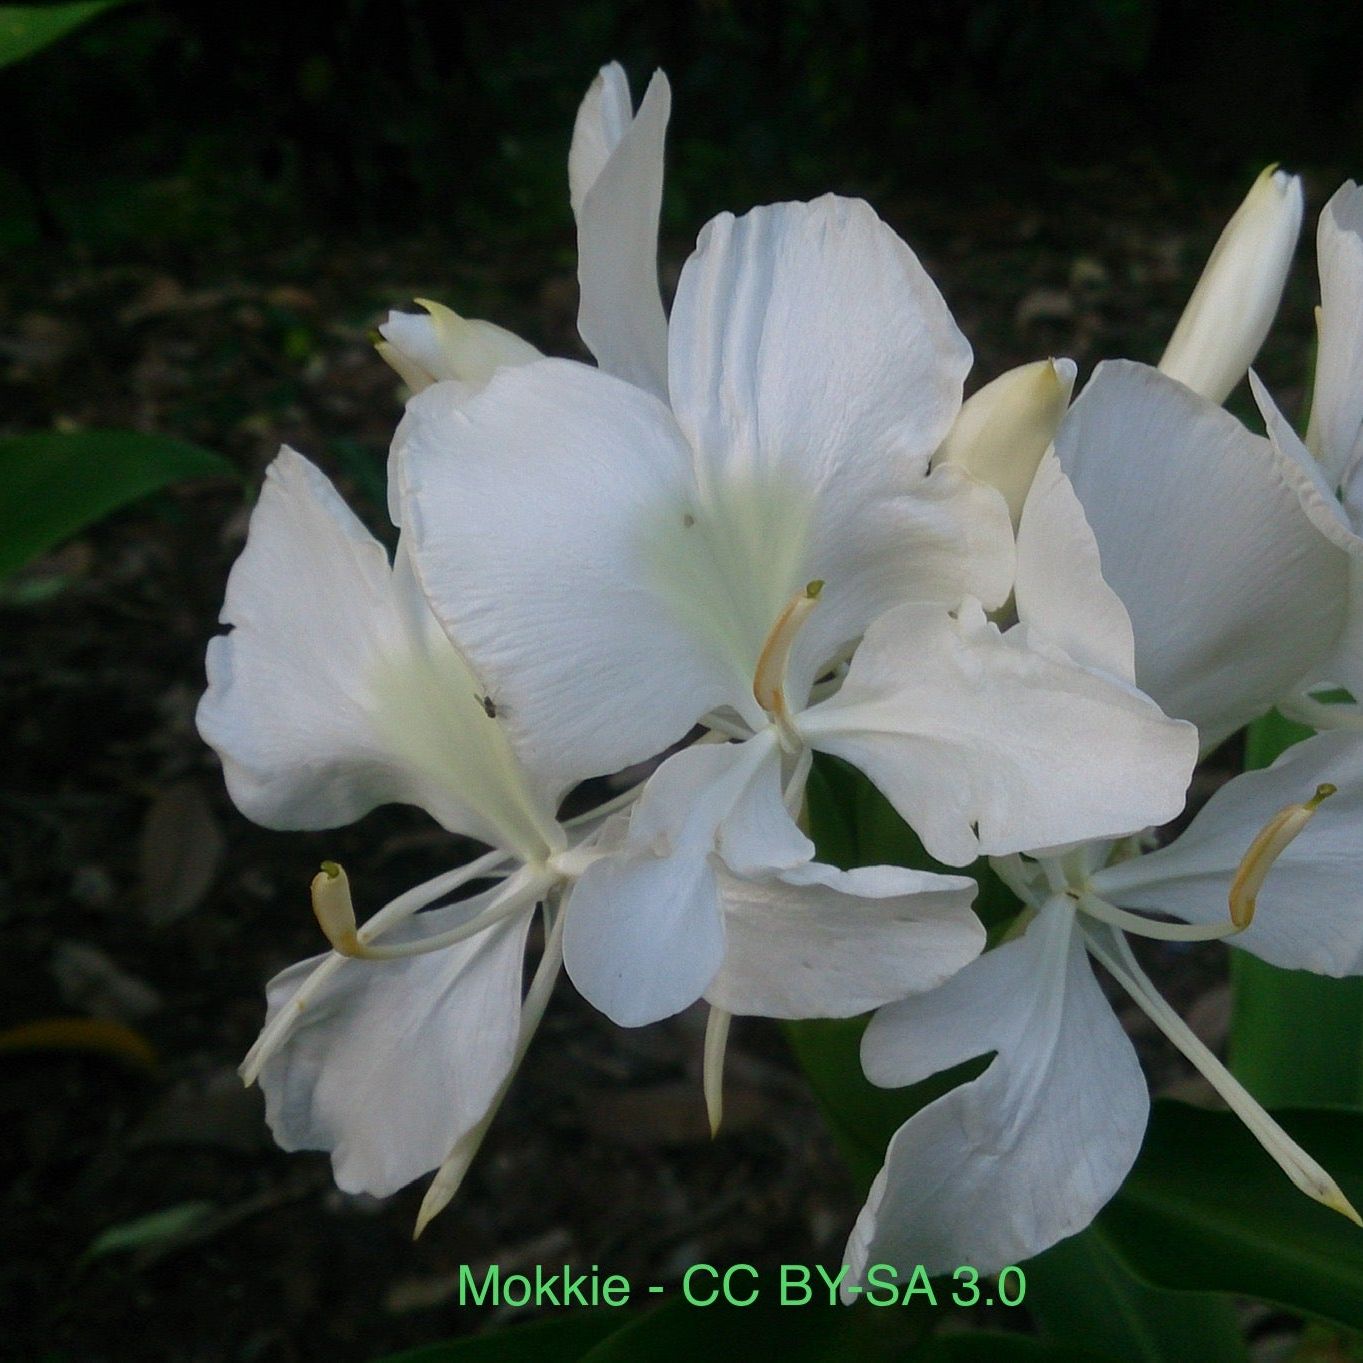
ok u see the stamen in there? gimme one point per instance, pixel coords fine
(1137, 923)
(1306, 1174)
(332, 905)
(1269, 844)
(276, 1032)
(456, 1164)
(769, 677)
(716, 1044)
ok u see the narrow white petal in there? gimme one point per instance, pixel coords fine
(1027, 1153)
(1310, 909)
(1235, 300)
(1204, 535)
(819, 942)
(991, 743)
(603, 118)
(1060, 591)
(393, 1061)
(335, 691)
(617, 200)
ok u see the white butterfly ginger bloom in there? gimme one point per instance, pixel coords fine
(1237, 296)
(615, 178)
(335, 691)
(655, 567)
(1029, 1152)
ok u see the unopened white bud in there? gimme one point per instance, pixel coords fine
(1002, 432)
(1235, 300)
(443, 345)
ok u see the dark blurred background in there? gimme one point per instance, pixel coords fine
(204, 210)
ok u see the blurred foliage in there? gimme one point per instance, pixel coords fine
(167, 125)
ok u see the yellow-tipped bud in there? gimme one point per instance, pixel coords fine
(1002, 432)
(334, 910)
(1269, 844)
(1235, 300)
(444, 345)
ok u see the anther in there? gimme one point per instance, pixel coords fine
(335, 912)
(1269, 844)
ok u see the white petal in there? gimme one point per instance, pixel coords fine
(1060, 591)
(819, 942)
(603, 118)
(395, 1060)
(1204, 536)
(443, 345)
(1337, 404)
(723, 797)
(644, 935)
(815, 368)
(990, 743)
(1343, 664)
(549, 519)
(617, 199)
(1002, 432)
(1233, 305)
(1026, 1154)
(335, 692)
(1310, 909)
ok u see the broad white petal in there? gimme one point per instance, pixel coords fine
(815, 368)
(617, 199)
(1310, 909)
(1027, 1153)
(551, 527)
(1232, 593)
(1343, 664)
(1060, 591)
(1235, 300)
(991, 743)
(1337, 405)
(819, 942)
(393, 1061)
(644, 936)
(334, 692)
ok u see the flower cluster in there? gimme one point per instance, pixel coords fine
(764, 526)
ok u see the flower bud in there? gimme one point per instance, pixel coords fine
(1002, 431)
(1232, 307)
(444, 345)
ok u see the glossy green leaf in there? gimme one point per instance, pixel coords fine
(993, 1346)
(1080, 1291)
(1296, 1038)
(1205, 1209)
(53, 485)
(26, 29)
(678, 1332)
(559, 1339)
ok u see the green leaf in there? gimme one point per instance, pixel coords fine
(55, 484)
(560, 1339)
(678, 1332)
(1080, 1290)
(1296, 1038)
(1205, 1209)
(148, 1230)
(993, 1346)
(26, 29)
